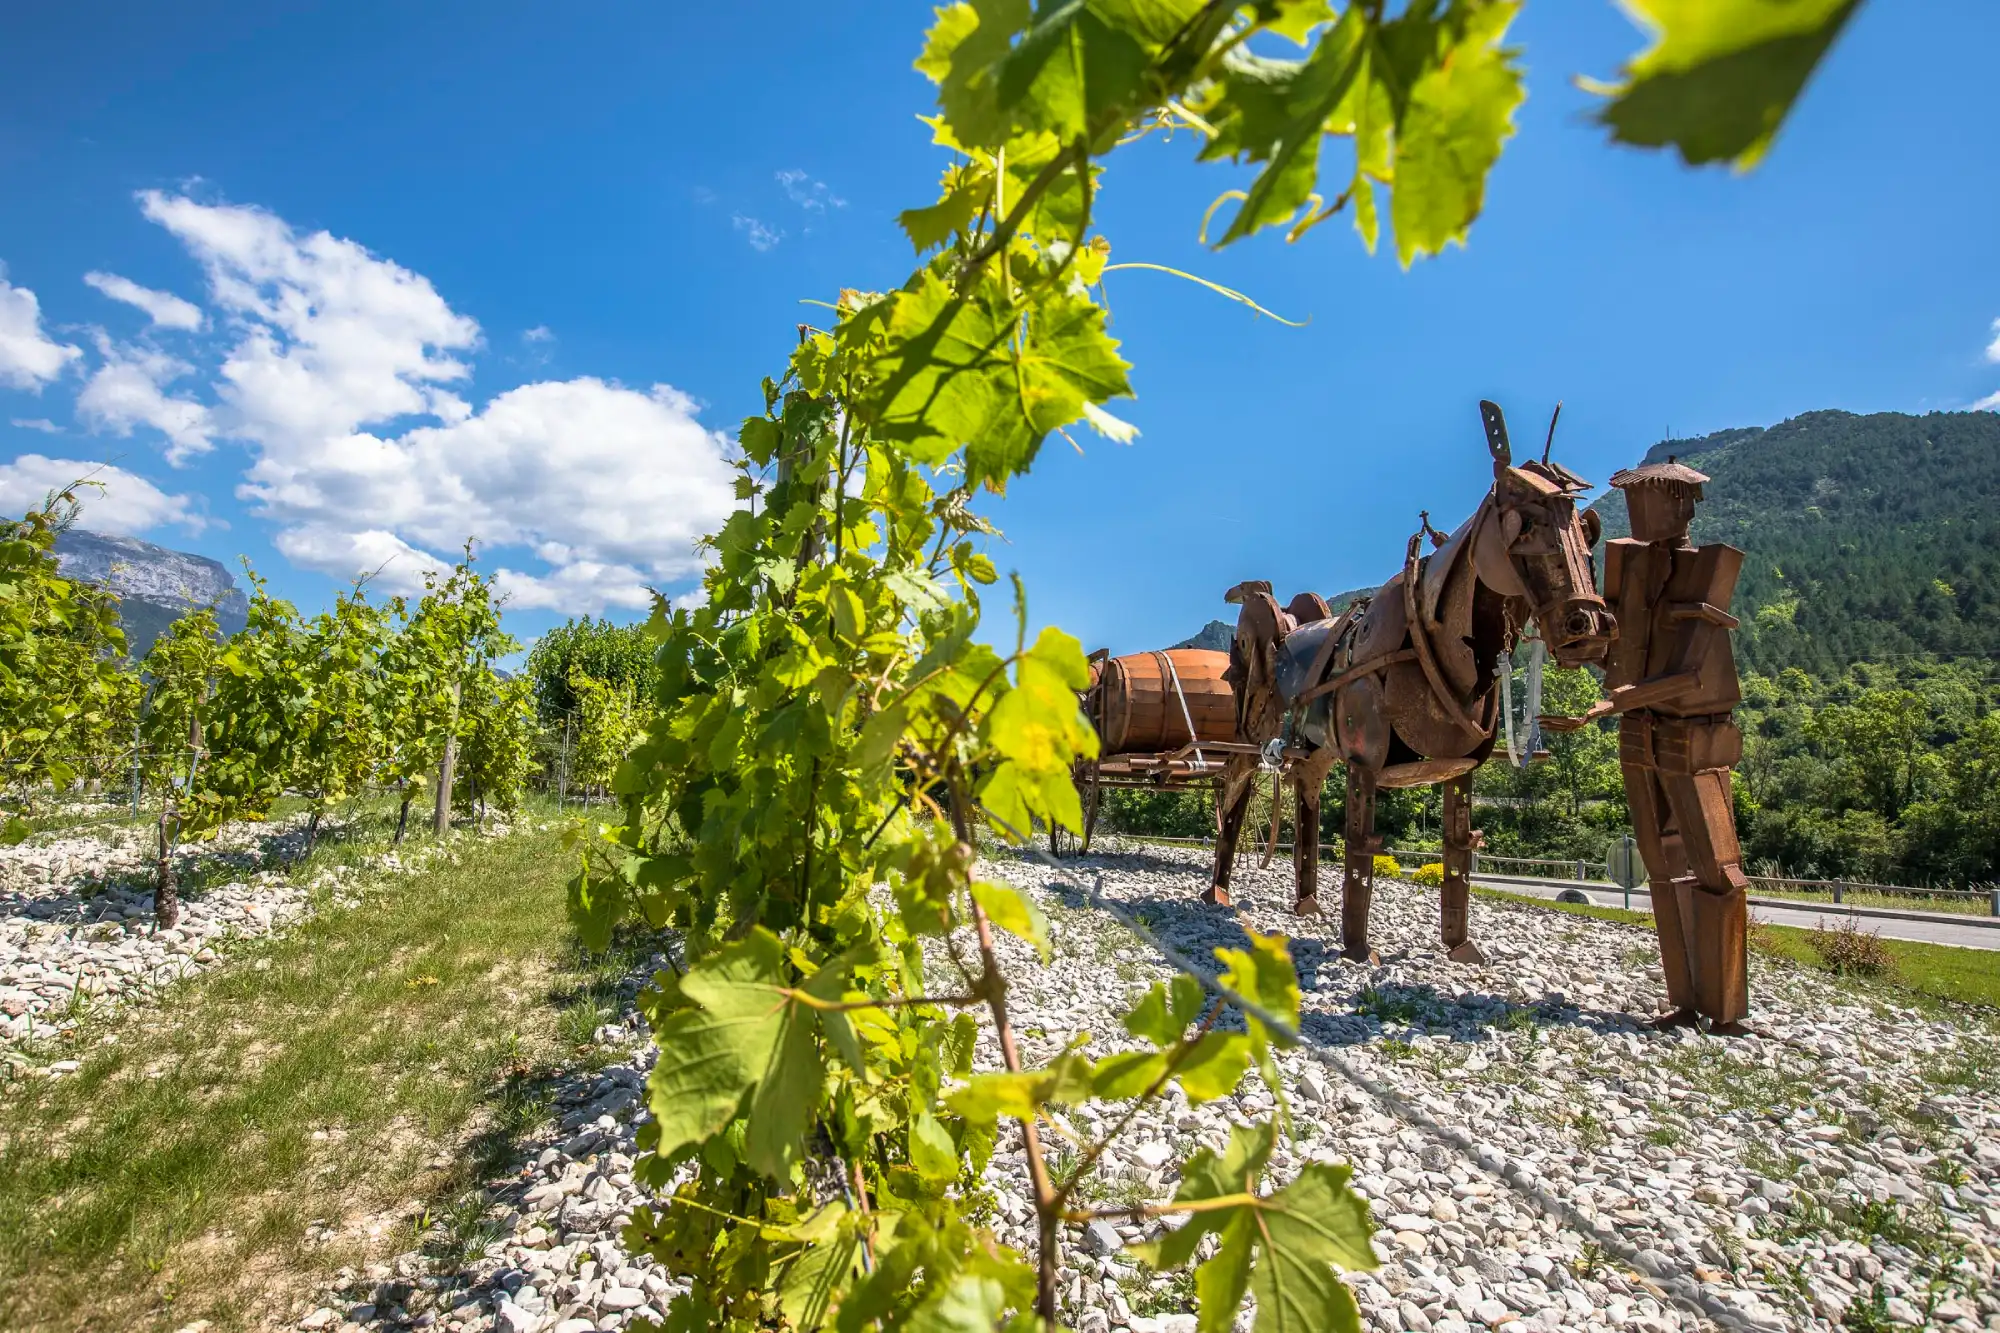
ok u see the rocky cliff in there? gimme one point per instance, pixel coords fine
(155, 586)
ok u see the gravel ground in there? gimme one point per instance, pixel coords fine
(556, 1260)
(1535, 1156)
(76, 920)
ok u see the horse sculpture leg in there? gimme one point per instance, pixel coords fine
(1305, 843)
(1455, 897)
(1358, 889)
(1232, 803)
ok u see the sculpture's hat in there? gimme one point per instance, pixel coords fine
(1658, 474)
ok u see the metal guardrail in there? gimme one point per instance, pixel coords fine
(1598, 873)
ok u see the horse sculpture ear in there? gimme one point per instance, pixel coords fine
(1495, 422)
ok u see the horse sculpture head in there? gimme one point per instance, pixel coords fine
(1539, 548)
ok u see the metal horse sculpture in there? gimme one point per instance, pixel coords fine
(1400, 686)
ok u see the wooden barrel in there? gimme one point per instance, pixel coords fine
(1139, 711)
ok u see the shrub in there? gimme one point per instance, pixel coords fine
(1388, 865)
(1430, 876)
(1851, 951)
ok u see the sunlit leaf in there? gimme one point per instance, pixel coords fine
(1014, 912)
(1721, 75)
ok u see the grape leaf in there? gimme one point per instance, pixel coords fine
(969, 1303)
(970, 370)
(987, 1097)
(1721, 75)
(932, 1152)
(959, 55)
(1215, 1067)
(1162, 1014)
(965, 192)
(1014, 912)
(746, 1037)
(1311, 1229)
(1460, 111)
(1127, 1073)
(1263, 974)
(1274, 112)
(810, 1282)
(1070, 72)
(1287, 1247)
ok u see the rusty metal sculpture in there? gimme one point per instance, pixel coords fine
(1164, 720)
(1672, 676)
(1400, 685)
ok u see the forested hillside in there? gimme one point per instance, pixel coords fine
(1870, 538)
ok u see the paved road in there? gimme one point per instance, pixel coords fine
(1928, 928)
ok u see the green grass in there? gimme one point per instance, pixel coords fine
(1908, 902)
(1919, 970)
(1593, 911)
(174, 1176)
(1938, 971)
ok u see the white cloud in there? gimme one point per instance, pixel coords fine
(121, 503)
(807, 193)
(29, 358)
(340, 356)
(394, 564)
(42, 424)
(163, 308)
(579, 583)
(129, 390)
(336, 338)
(1991, 402)
(539, 334)
(608, 485)
(760, 236)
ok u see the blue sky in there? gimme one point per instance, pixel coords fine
(534, 256)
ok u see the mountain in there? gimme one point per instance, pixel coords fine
(1220, 634)
(1216, 634)
(1870, 538)
(155, 586)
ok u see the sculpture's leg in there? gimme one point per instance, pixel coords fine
(1667, 878)
(1455, 897)
(1717, 916)
(1357, 889)
(1305, 839)
(1232, 803)
(1091, 803)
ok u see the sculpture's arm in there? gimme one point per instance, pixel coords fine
(1625, 698)
(1713, 615)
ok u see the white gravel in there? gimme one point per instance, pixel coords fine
(557, 1260)
(1536, 1158)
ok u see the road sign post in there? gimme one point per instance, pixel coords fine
(1626, 866)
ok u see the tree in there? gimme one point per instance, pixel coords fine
(608, 720)
(619, 655)
(497, 719)
(65, 698)
(443, 644)
(343, 732)
(225, 727)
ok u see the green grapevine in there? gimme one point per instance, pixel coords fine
(64, 697)
(830, 731)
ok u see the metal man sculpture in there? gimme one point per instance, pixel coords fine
(1672, 676)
